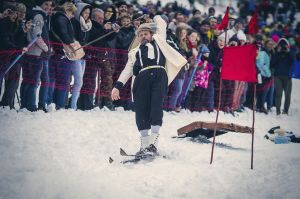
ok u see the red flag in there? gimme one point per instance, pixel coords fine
(253, 25)
(239, 63)
(224, 22)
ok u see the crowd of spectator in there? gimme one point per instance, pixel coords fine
(46, 74)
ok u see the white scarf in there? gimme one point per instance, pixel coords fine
(85, 26)
(150, 51)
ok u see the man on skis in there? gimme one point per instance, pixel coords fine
(154, 64)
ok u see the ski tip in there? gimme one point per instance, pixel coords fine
(110, 160)
(122, 152)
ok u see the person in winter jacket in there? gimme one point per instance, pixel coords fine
(263, 66)
(238, 27)
(198, 94)
(204, 30)
(126, 34)
(35, 66)
(282, 63)
(12, 37)
(124, 39)
(82, 25)
(101, 65)
(270, 49)
(122, 7)
(215, 58)
(174, 102)
(62, 32)
(110, 14)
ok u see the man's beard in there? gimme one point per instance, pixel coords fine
(144, 41)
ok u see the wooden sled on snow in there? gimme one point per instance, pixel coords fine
(207, 129)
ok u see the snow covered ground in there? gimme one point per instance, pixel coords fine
(64, 155)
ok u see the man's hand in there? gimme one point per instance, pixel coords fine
(6, 13)
(108, 26)
(115, 27)
(115, 94)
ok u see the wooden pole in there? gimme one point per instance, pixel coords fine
(215, 128)
(218, 110)
(103, 36)
(253, 122)
(98, 85)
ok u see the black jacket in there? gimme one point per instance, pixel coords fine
(125, 37)
(172, 40)
(215, 55)
(62, 26)
(12, 37)
(282, 63)
(98, 31)
(80, 36)
(204, 38)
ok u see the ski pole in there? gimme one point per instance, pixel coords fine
(191, 78)
(20, 55)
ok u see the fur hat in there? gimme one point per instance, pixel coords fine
(280, 131)
(146, 27)
(282, 41)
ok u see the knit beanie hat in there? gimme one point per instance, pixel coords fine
(275, 38)
(165, 18)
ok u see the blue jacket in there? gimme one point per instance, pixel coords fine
(263, 64)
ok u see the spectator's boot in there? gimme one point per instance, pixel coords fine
(108, 103)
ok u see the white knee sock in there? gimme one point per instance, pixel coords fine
(144, 132)
(155, 129)
(145, 138)
(154, 135)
